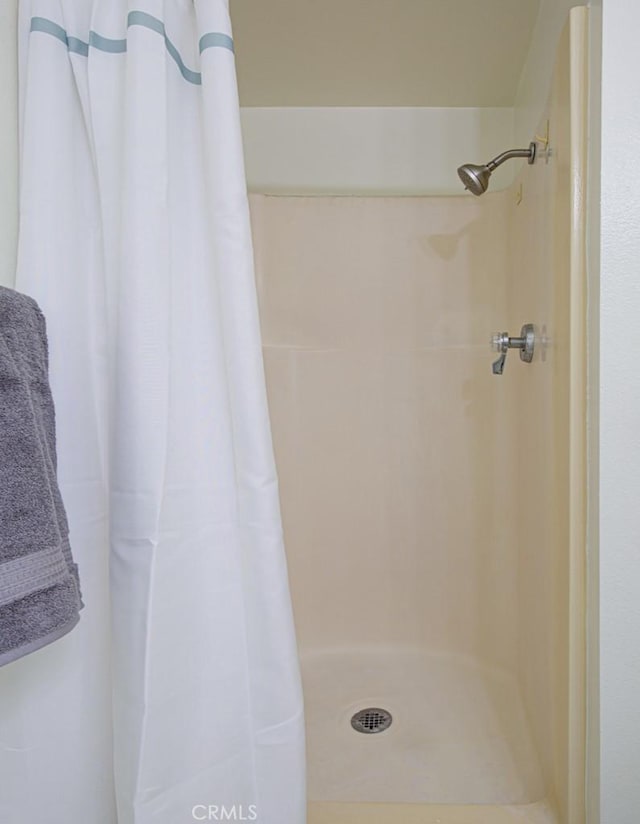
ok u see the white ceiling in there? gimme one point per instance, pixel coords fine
(381, 52)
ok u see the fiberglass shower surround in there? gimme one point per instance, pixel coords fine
(434, 513)
(180, 686)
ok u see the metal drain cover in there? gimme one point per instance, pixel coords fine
(371, 719)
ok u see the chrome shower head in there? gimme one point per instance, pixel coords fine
(476, 178)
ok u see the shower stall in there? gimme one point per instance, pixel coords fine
(434, 509)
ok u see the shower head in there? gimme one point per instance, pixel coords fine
(476, 178)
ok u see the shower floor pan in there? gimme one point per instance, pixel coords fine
(459, 736)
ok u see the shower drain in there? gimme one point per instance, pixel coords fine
(371, 719)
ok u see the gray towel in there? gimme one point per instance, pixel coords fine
(39, 588)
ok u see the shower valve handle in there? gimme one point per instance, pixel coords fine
(502, 342)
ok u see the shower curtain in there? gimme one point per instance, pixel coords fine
(177, 698)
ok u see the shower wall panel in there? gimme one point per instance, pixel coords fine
(393, 439)
(547, 286)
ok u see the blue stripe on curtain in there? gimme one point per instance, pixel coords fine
(210, 40)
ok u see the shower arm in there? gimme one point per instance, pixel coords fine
(500, 159)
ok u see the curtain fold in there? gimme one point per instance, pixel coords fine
(180, 689)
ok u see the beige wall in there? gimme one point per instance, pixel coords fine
(593, 413)
(535, 79)
(8, 142)
(380, 52)
(303, 137)
(547, 286)
(391, 434)
(340, 150)
(370, 97)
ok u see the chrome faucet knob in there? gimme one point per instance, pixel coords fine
(502, 342)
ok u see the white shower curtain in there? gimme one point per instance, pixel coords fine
(177, 698)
